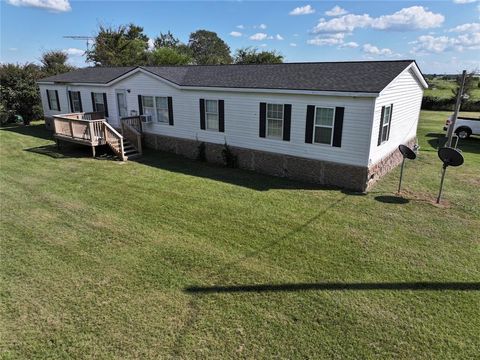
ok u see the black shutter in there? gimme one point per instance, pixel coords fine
(170, 110)
(140, 106)
(309, 124)
(338, 126)
(48, 98)
(80, 101)
(105, 105)
(58, 101)
(287, 121)
(221, 115)
(380, 128)
(390, 122)
(263, 118)
(93, 102)
(202, 114)
(70, 100)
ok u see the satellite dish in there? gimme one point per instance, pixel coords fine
(407, 152)
(450, 156)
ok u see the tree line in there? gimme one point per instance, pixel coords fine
(124, 45)
(128, 45)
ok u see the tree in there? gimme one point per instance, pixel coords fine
(55, 62)
(207, 48)
(125, 45)
(168, 56)
(251, 55)
(19, 93)
(166, 40)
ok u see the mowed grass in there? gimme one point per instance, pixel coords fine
(170, 258)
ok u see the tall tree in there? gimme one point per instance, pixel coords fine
(207, 48)
(250, 55)
(125, 45)
(168, 56)
(166, 40)
(55, 62)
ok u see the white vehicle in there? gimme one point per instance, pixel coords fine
(464, 126)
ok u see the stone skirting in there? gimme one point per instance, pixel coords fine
(388, 163)
(292, 167)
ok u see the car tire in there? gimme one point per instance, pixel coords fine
(463, 132)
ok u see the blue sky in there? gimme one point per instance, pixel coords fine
(443, 36)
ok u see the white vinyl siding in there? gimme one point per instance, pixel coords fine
(405, 93)
(323, 125)
(242, 117)
(274, 121)
(211, 114)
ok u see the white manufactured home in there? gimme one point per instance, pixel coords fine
(332, 123)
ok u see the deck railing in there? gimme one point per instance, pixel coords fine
(88, 129)
(132, 131)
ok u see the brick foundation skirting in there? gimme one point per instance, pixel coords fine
(387, 164)
(292, 167)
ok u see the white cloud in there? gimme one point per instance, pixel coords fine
(336, 11)
(258, 36)
(13, 49)
(293, 44)
(351, 44)
(373, 50)
(279, 37)
(329, 39)
(261, 26)
(240, 27)
(74, 52)
(263, 45)
(426, 44)
(464, 1)
(235, 34)
(471, 27)
(302, 10)
(51, 5)
(412, 18)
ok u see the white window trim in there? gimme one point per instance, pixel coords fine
(275, 119)
(79, 100)
(385, 127)
(154, 116)
(212, 113)
(323, 126)
(57, 108)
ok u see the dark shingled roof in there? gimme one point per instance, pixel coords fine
(354, 76)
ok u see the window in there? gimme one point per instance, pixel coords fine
(98, 104)
(162, 109)
(387, 114)
(156, 107)
(211, 114)
(52, 100)
(275, 121)
(323, 125)
(76, 101)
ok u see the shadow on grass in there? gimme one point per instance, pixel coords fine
(239, 177)
(470, 145)
(37, 130)
(389, 199)
(412, 286)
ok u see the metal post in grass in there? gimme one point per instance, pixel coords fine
(407, 153)
(449, 157)
(451, 127)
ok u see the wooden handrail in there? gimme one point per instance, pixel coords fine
(133, 135)
(112, 135)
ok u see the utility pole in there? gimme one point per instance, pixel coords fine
(451, 127)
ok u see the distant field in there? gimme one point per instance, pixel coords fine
(443, 89)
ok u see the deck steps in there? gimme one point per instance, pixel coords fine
(129, 150)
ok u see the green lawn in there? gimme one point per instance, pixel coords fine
(443, 89)
(170, 258)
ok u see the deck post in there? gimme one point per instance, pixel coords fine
(93, 151)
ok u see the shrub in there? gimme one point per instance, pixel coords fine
(229, 158)
(436, 103)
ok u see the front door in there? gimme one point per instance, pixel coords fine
(121, 103)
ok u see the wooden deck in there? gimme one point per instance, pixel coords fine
(92, 129)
